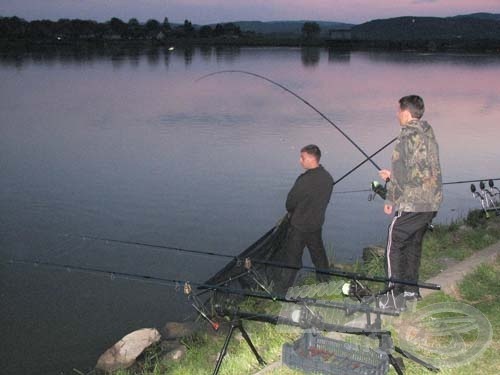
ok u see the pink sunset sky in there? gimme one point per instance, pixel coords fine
(213, 11)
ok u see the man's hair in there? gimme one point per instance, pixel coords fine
(312, 150)
(414, 104)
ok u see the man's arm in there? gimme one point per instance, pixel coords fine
(292, 198)
(385, 175)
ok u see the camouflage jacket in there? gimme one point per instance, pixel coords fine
(416, 184)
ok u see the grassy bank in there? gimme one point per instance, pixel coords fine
(446, 245)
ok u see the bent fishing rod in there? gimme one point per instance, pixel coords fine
(240, 260)
(368, 158)
(186, 285)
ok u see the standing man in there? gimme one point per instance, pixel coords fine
(306, 205)
(414, 194)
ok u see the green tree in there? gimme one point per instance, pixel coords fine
(188, 28)
(231, 29)
(165, 27)
(310, 29)
(82, 29)
(134, 29)
(117, 26)
(219, 30)
(152, 28)
(41, 29)
(13, 27)
(205, 31)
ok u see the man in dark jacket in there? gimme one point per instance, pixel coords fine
(306, 205)
(414, 193)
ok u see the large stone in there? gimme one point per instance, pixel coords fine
(124, 353)
(176, 330)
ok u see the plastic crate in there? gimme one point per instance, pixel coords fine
(322, 355)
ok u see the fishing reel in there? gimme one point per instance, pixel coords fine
(356, 290)
(306, 317)
(377, 189)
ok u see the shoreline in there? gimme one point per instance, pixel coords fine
(443, 46)
(456, 252)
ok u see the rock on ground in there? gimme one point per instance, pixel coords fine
(124, 353)
(176, 330)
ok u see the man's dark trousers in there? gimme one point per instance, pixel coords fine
(404, 247)
(296, 242)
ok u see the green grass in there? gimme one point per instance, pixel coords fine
(480, 289)
(445, 244)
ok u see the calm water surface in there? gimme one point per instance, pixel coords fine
(130, 146)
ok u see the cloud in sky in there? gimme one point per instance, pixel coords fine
(212, 11)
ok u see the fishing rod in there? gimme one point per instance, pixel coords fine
(368, 158)
(308, 319)
(476, 194)
(375, 187)
(469, 181)
(177, 283)
(486, 196)
(305, 319)
(493, 189)
(329, 272)
(381, 190)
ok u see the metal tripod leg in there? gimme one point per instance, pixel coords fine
(236, 324)
(386, 345)
(415, 359)
(396, 364)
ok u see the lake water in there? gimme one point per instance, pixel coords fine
(129, 146)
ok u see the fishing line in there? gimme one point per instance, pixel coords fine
(444, 183)
(469, 181)
(368, 157)
(329, 272)
(301, 99)
(177, 283)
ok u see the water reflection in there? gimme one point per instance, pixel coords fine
(339, 55)
(125, 151)
(413, 57)
(227, 53)
(188, 55)
(153, 56)
(206, 53)
(310, 56)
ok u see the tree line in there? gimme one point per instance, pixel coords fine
(115, 28)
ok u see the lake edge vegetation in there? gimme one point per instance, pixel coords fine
(444, 245)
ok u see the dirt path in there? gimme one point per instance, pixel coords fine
(450, 277)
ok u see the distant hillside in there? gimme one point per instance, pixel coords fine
(482, 16)
(287, 27)
(469, 27)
